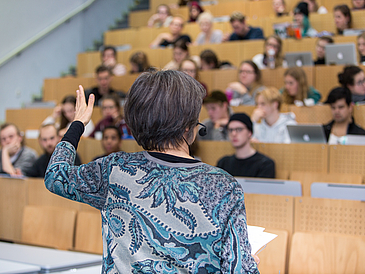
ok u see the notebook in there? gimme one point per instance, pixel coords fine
(307, 133)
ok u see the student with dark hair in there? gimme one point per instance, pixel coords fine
(209, 60)
(246, 162)
(109, 60)
(194, 11)
(111, 140)
(353, 78)
(15, 157)
(162, 210)
(321, 49)
(48, 139)
(343, 123)
(190, 67)
(180, 52)
(241, 30)
(343, 18)
(243, 91)
(103, 79)
(301, 19)
(139, 62)
(358, 4)
(111, 115)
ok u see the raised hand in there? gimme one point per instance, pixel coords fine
(83, 112)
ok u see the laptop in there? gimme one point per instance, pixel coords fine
(299, 59)
(307, 133)
(341, 54)
(352, 139)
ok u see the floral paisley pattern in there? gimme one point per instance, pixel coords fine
(159, 217)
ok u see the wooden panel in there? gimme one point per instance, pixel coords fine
(27, 118)
(228, 52)
(87, 62)
(323, 22)
(139, 18)
(211, 151)
(307, 178)
(273, 257)
(347, 159)
(359, 115)
(257, 9)
(206, 77)
(326, 253)
(222, 78)
(249, 49)
(48, 226)
(155, 3)
(270, 211)
(13, 198)
(34, 144)
(326, 79)
(358, 19)
(329, 216)
(301, 157)
(319, 114)
(306, 44)
(88, 235)
(226, 8)
(330, 4)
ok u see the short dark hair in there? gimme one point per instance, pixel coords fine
(101, 69)
(255, 68)
(162, 106)
(109, 48)
(114, 128)
(112, 97)
(338, 94)
(208, 56)
(346, 77)
(328, 39)
(18, 132)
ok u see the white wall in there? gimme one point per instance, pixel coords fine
(22, 77)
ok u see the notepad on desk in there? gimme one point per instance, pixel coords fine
(258, 238)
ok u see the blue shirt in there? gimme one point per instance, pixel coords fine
(253, 33)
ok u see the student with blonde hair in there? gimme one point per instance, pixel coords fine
(296, 89)
(207, 35)
(272, 128)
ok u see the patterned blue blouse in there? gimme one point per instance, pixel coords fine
(158, 216)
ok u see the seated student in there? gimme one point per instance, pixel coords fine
(343, 18)
(301, 18)
(296, 89)
(241, 30)
(353, 78)
(48, 139)
(162, 17)
(109, 60)
(314, 8)
(217, 107)
(66, 113)
(244, 90)
(15, 157)
(103, 79)
(194, 11)
(209, 60)
(272, 49)
(246, 162)
(179, 53)
(321, 49)
(343, 123)
(207, 35)
(361, 47)
(170, 38)
(139, 62)
(272, 128)
(190, 67)
(358, 4)
(111, 115)
(279, 7)
(110, 141)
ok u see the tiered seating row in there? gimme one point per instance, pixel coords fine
(283, 215)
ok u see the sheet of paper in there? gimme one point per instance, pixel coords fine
(258, 237)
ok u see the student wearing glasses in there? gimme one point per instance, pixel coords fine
(272, 128)
(243, 91)
(246, 161)
(353, 78)
(272, 56)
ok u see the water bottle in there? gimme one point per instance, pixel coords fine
(271, 58)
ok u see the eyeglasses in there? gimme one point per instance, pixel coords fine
(247, 71)
(237, 129)
(189, 70)
(273, 45)
(360, 82)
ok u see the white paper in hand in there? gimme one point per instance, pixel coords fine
(258, 238)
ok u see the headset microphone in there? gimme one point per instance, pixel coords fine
(203, 130)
